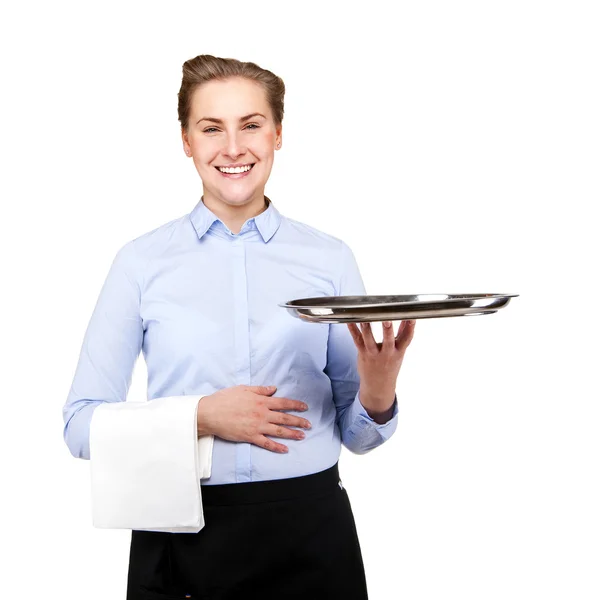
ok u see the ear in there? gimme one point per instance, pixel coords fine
(278, 135)
(186, 144)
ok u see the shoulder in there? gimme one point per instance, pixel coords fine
(135, 254)
(157, 241)
(309, 235)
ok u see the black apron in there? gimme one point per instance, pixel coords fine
(282, 539)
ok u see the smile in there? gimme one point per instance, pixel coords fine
(235, 170)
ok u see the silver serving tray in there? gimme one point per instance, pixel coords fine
(361, 309)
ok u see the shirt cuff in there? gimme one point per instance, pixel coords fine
(360, 415)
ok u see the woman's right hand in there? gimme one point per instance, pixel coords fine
(248, 413)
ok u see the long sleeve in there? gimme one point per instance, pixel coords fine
(111, 346)
(359, 432)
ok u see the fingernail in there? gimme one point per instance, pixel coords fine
(387, 324)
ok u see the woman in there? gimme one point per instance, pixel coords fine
(199, 295)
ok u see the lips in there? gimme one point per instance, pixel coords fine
(219, 167)
(236, 175)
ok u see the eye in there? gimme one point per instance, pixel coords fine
(251, 125)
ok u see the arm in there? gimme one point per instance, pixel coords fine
(146, 459)
(110, 348)
(360, 430)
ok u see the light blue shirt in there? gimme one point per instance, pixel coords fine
(202, 304)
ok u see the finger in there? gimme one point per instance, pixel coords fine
(284, 404)
(265, 390)
(388, 336)
(267, 444)
(356, 335)
(406, 329)
(282, 432)
(405, 334)
(368, 338)
(285, 419)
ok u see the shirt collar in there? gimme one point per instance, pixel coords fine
(267, 222)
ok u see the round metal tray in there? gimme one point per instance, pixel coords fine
(361, 309)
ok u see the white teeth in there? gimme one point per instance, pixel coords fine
(235, 169)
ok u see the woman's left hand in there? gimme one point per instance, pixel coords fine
(379, 363)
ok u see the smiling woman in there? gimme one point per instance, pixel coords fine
(200, 296)
(231, 124)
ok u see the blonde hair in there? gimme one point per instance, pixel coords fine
(205, 67)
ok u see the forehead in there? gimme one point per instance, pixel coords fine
(231, 98)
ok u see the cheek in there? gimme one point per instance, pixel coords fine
(266, 145)
(204, 153)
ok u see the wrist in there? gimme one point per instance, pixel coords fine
(381, 417)
(379, 407)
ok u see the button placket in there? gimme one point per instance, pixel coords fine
(242, 346)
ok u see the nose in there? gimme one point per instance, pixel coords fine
(233, 148)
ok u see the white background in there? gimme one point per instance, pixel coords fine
(453, 145)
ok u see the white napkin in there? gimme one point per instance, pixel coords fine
(146, 462)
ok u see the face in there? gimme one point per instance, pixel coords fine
(221, 133)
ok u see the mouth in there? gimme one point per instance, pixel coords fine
(235, 172)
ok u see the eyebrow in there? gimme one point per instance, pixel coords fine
(242, 119)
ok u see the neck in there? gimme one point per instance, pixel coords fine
(235, 216)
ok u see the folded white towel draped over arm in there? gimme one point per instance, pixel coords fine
(146, 462)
